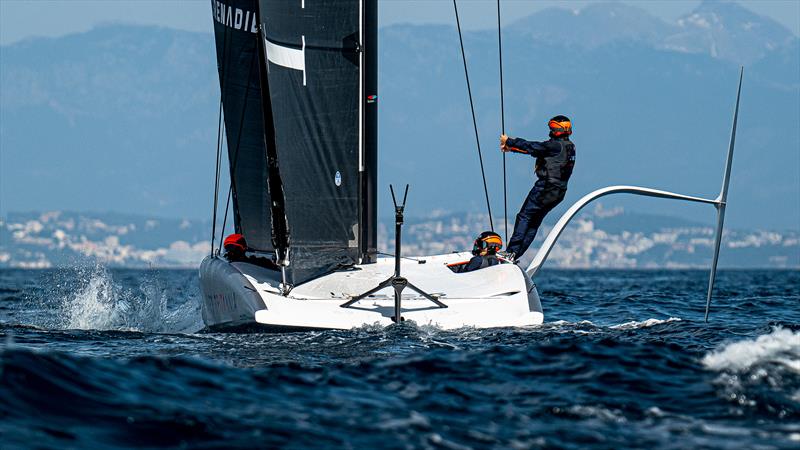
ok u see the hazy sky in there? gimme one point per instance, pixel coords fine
(20, 19)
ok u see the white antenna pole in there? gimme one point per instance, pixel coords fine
(723, 198)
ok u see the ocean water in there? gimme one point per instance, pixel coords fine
(98, 358)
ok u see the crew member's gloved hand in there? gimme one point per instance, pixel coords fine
(503, 146)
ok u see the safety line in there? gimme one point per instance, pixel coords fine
(220, 137)
(217, 175)
(474, 122)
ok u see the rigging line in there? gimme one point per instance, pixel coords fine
(502, 119)
(220, 137)
(216, 178)
(222, 143)
(225, 218)
(474, 122)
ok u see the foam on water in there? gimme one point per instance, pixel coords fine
(781, 346)
(595, 412)
(760, 373)
(589, 327)
(633, 325)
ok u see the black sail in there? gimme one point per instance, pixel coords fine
(236, 35)
(316, 86)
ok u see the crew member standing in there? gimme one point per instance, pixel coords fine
(555, 159)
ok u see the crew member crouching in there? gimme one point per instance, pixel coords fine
(236, 251)
(485, 250)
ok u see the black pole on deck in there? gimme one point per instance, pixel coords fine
(396, 281)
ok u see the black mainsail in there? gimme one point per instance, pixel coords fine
(314, 147)
(236, 36)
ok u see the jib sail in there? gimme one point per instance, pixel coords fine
(236, 35)
(321, 61)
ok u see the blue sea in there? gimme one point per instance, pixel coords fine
(101, 358)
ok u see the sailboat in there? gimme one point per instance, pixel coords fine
(299, 97)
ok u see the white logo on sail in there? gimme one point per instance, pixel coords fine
(235, 18)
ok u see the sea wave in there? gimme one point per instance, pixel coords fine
(760, 374)
(617, 381)
(633, 325)
(781, 346)
(589, 327)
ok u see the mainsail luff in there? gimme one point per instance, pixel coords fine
(236, 45)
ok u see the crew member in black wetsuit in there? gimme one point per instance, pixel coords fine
(485, 251)
(555, 159)
(235, 251)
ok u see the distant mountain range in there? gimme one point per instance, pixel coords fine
(721, 30)
(123, 118)
(607, 238)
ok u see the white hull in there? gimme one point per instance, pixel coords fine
(242, 294)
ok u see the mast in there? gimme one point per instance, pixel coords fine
(369, 104)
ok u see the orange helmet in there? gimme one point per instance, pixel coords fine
(488, 242)
(560, 126)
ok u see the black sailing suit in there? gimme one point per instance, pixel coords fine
(555, 159)
(476, 263)
(481, 262)
(256, 260)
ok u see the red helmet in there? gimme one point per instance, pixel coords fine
(560, 126)
(235, 243)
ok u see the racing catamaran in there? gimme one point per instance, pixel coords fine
(299, 91)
